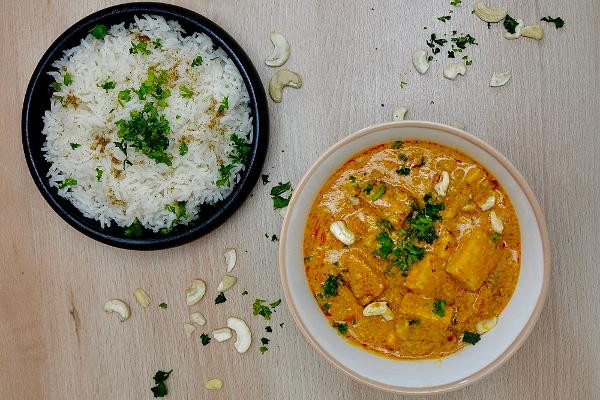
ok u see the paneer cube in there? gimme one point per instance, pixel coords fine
(344, 306)
(416, 307)
(475, 257)
(365, 281)
(425, 277)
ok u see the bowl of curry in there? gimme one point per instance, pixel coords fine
(414, 257)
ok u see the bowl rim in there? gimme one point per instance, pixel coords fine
(258, 107)
(521, 337)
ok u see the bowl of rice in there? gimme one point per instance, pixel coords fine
(145, 126)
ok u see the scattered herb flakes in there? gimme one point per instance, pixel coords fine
(326, 306)
(264, 340)
(108, 85)
(342, 327)
(56, 86)
(139, 47)
(470, 337)
(439, 307)
(99, 31)
(124, 96)
(467, 60)
(421, 221)
(444, 18)
(265, 179)
(185, 92)
(461, 41)
(224, 105)
(274, 238)
(368, 188)
(402, 157)
(435, 43)
(403, 84)
(455, 3)
(495, 237)
(558, 21)
(263, 349)
(330, 286)
(450, 54)
(67, 182)
(275, 303)
(67, 79)
(183, 148)
(510, 23)
(178, 116)
(258, 308)
(378, 193)
(204, 339)
(157, 43)
(197, 61)
(74, 145)
(160, 390)
(268, 329)
(403, 171)
(398, 144)
(276, 194)
(99, 173)
(220, 298)
(245, 292)
(163, 305)
(134, 230)
(281, 325)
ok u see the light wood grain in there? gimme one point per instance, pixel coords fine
(55, 341)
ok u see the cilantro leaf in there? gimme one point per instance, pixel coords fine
(197, 61)
(124, 96)
(139, 47)
(224, 105)
(258, 308)
(510, 23)
(403, 171)
(558, 21)
(67, 79)
(220, 298)
(67, 182)
(275, 303)
(439, 307)
(263, 349)
(185, 92)
(157, 43)
(342, 328)
(280, 188)
(134, 230)
(444, 18)
(99, 31)
(264, 340)
(108, 85)
(163, 305)
(183, 148)
(268, 329)
(471, 338)
(265, 179)
(331, 285)
(74, 145)
(421, 221)
(455, 3)
(160, 390)
(99, 173)
(205, 339)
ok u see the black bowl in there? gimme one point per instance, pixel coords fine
(37, 100)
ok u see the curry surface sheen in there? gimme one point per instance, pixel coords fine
(434, 259)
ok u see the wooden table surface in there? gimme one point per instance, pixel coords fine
(57, 343)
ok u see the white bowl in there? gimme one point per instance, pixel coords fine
(421, 376)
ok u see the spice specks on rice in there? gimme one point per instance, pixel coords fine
(146, 125)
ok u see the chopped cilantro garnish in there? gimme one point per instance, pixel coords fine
(398, 144)
(157, 43)
(108, 85)
(164, 306)
(74, 145)
(56, 86)
(386, 224)
(160, 388)
(403, 171)
(558, 22)
(342, 327)
(134, 230)
(153, 86)
(495, 237)
(265, 179)
(434, 43)
(224, 105)
(378, 193)
(414, 322)
(67, 182)
(179, 209)
(139, 47)
(326, 306)
(99, 173)
(510, 24)
(67, 79)
(165, 231)
(368, 188)
(439, 307)
(264, 340)
(239, 155)
(204, 339)
(470, 337)
(275, 303)
(124, 96)
(402, 157)
(444, 18)
(402, 254)
(220, 298)
(268, 328)
(274, 238)
(258, 308)
(330, 286)
(461, 42)
(183, 148)
(245, 292)
(421, 221)
(224, 175)
(276, 192)
(197, 61)
(263, 349)
(99, 31)
(185, 92)
(403, 84)
(455, 3)
(147, 131)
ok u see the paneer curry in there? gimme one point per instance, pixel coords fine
(412, 249)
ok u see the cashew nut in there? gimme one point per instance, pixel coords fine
(342, 233)
(213, 384)
(141, 297)
(243, 336)
(222, 334)
(419, 60)
(500, 78)
(281, 50)
(442, 186)
(399, 113)
(197, 319)
(497, 225)
(195, 293)
(486, 325)
(188, 329)
(378, 308)
(533, 32)
(451, 71)
(281, 79)
(489, 14)
(517, 33)
(488, 203)
(230, 259)
(119, 307)
(226, 283)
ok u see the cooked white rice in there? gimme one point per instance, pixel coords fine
(142, 190)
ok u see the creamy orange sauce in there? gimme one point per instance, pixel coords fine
(438, 284)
